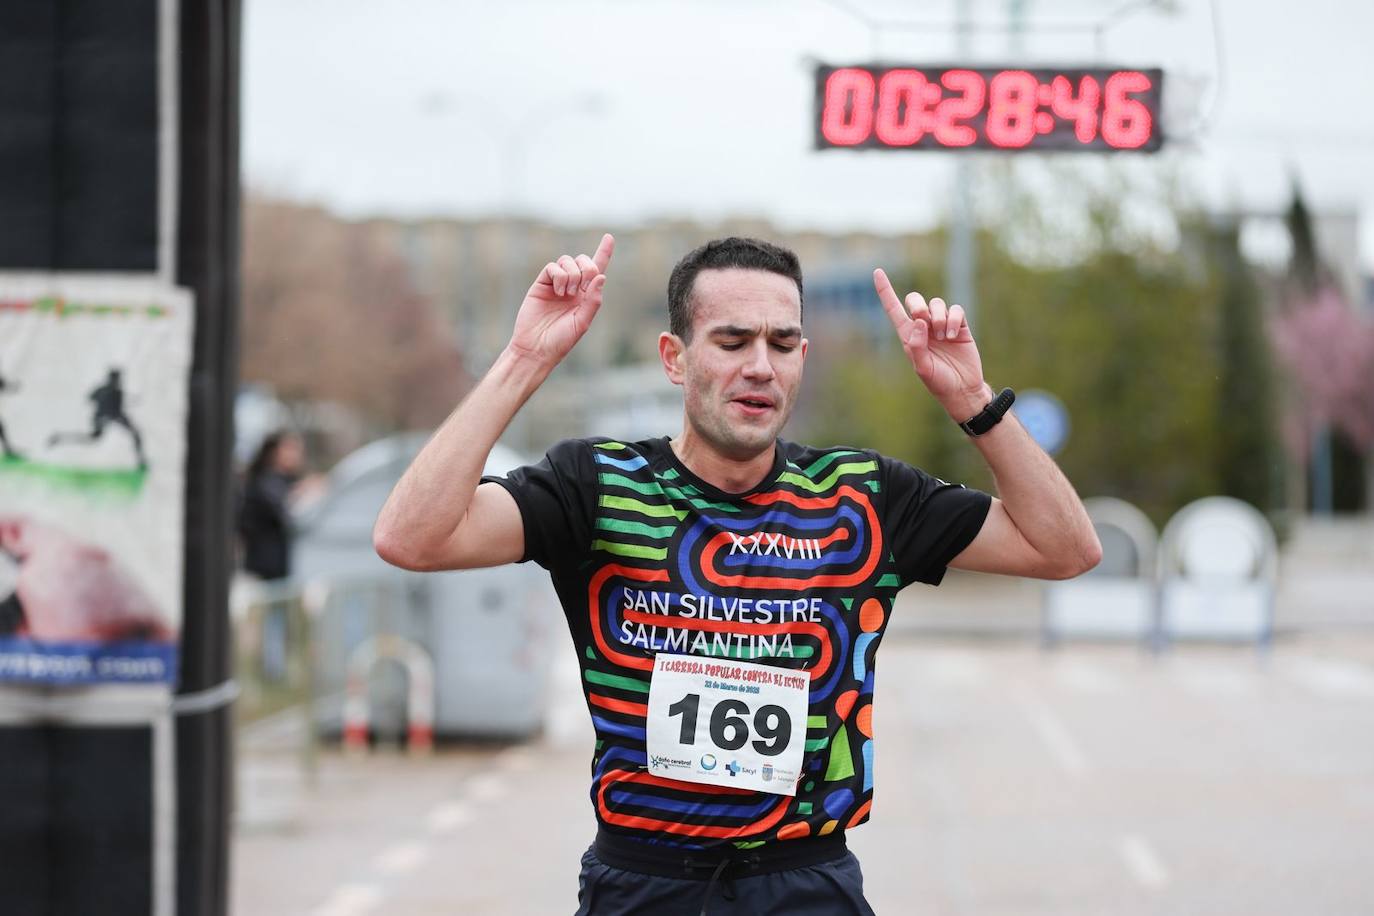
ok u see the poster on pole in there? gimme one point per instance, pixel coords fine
(93, 411)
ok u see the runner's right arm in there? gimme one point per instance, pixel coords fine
(438, 516)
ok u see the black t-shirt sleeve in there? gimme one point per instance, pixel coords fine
(557, 500)
(926, 521)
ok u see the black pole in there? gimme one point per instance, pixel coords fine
(207, 262)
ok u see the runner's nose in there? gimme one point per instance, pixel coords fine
(758, 366)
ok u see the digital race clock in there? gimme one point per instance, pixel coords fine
(950, 108)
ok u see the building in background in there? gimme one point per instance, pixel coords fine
(475, 272)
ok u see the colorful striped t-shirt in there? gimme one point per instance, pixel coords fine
(646, 557)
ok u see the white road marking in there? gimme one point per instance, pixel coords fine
(286, 727)
(1062, 746)
(401, 858)
(350, 900)
(448, 817)
(1211, 679)
(517, 760)
(1331, 678)
(488, 787)
(1086, 677)
(951, 669)
(1142, 862)
(270, 792)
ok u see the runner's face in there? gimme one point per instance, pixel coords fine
(743, 367)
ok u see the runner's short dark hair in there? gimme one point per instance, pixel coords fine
(721, 254)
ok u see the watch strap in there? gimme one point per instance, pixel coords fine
(990, 415)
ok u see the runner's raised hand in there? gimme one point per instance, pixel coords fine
(940, 346)
(561, 303)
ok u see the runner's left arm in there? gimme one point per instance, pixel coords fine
(1037, 525)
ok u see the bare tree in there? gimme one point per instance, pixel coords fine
(331, 314)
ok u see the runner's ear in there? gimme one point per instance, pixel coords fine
(671, 350)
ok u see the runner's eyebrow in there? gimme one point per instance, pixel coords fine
(733, 330)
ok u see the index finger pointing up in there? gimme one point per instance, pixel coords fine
(896, 312)
(602, 258)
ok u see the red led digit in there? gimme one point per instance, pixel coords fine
(1081, 110)
(1011, 108)
(1126, 122)
(972, 91)
(903, 103)
(847, 117)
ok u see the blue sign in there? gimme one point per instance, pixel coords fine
(1045, 418)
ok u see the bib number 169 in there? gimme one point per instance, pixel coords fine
(729, 725)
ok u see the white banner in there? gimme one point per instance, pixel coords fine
(93, 408)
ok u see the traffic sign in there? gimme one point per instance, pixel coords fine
(1045, 418)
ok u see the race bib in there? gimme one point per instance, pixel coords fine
(727, 723)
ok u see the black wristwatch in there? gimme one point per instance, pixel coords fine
(990, 415)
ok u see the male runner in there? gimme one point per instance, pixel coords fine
(726, 589)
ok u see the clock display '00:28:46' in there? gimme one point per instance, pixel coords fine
(999, 108)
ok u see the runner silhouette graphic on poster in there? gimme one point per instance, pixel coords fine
(5, 448)
(109, 408)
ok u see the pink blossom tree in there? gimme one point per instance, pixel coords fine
(1328, 349)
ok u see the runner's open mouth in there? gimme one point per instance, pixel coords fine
(750, 401)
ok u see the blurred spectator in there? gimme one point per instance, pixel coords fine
(273, 485)
(270, 486)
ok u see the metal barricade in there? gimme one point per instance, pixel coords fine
(419, 669)
(1218, 568)
(274, 666)
(1117, 599)
(282, 660)
(271, 648)
(293, 639)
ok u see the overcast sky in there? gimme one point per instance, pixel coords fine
(704, 108)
